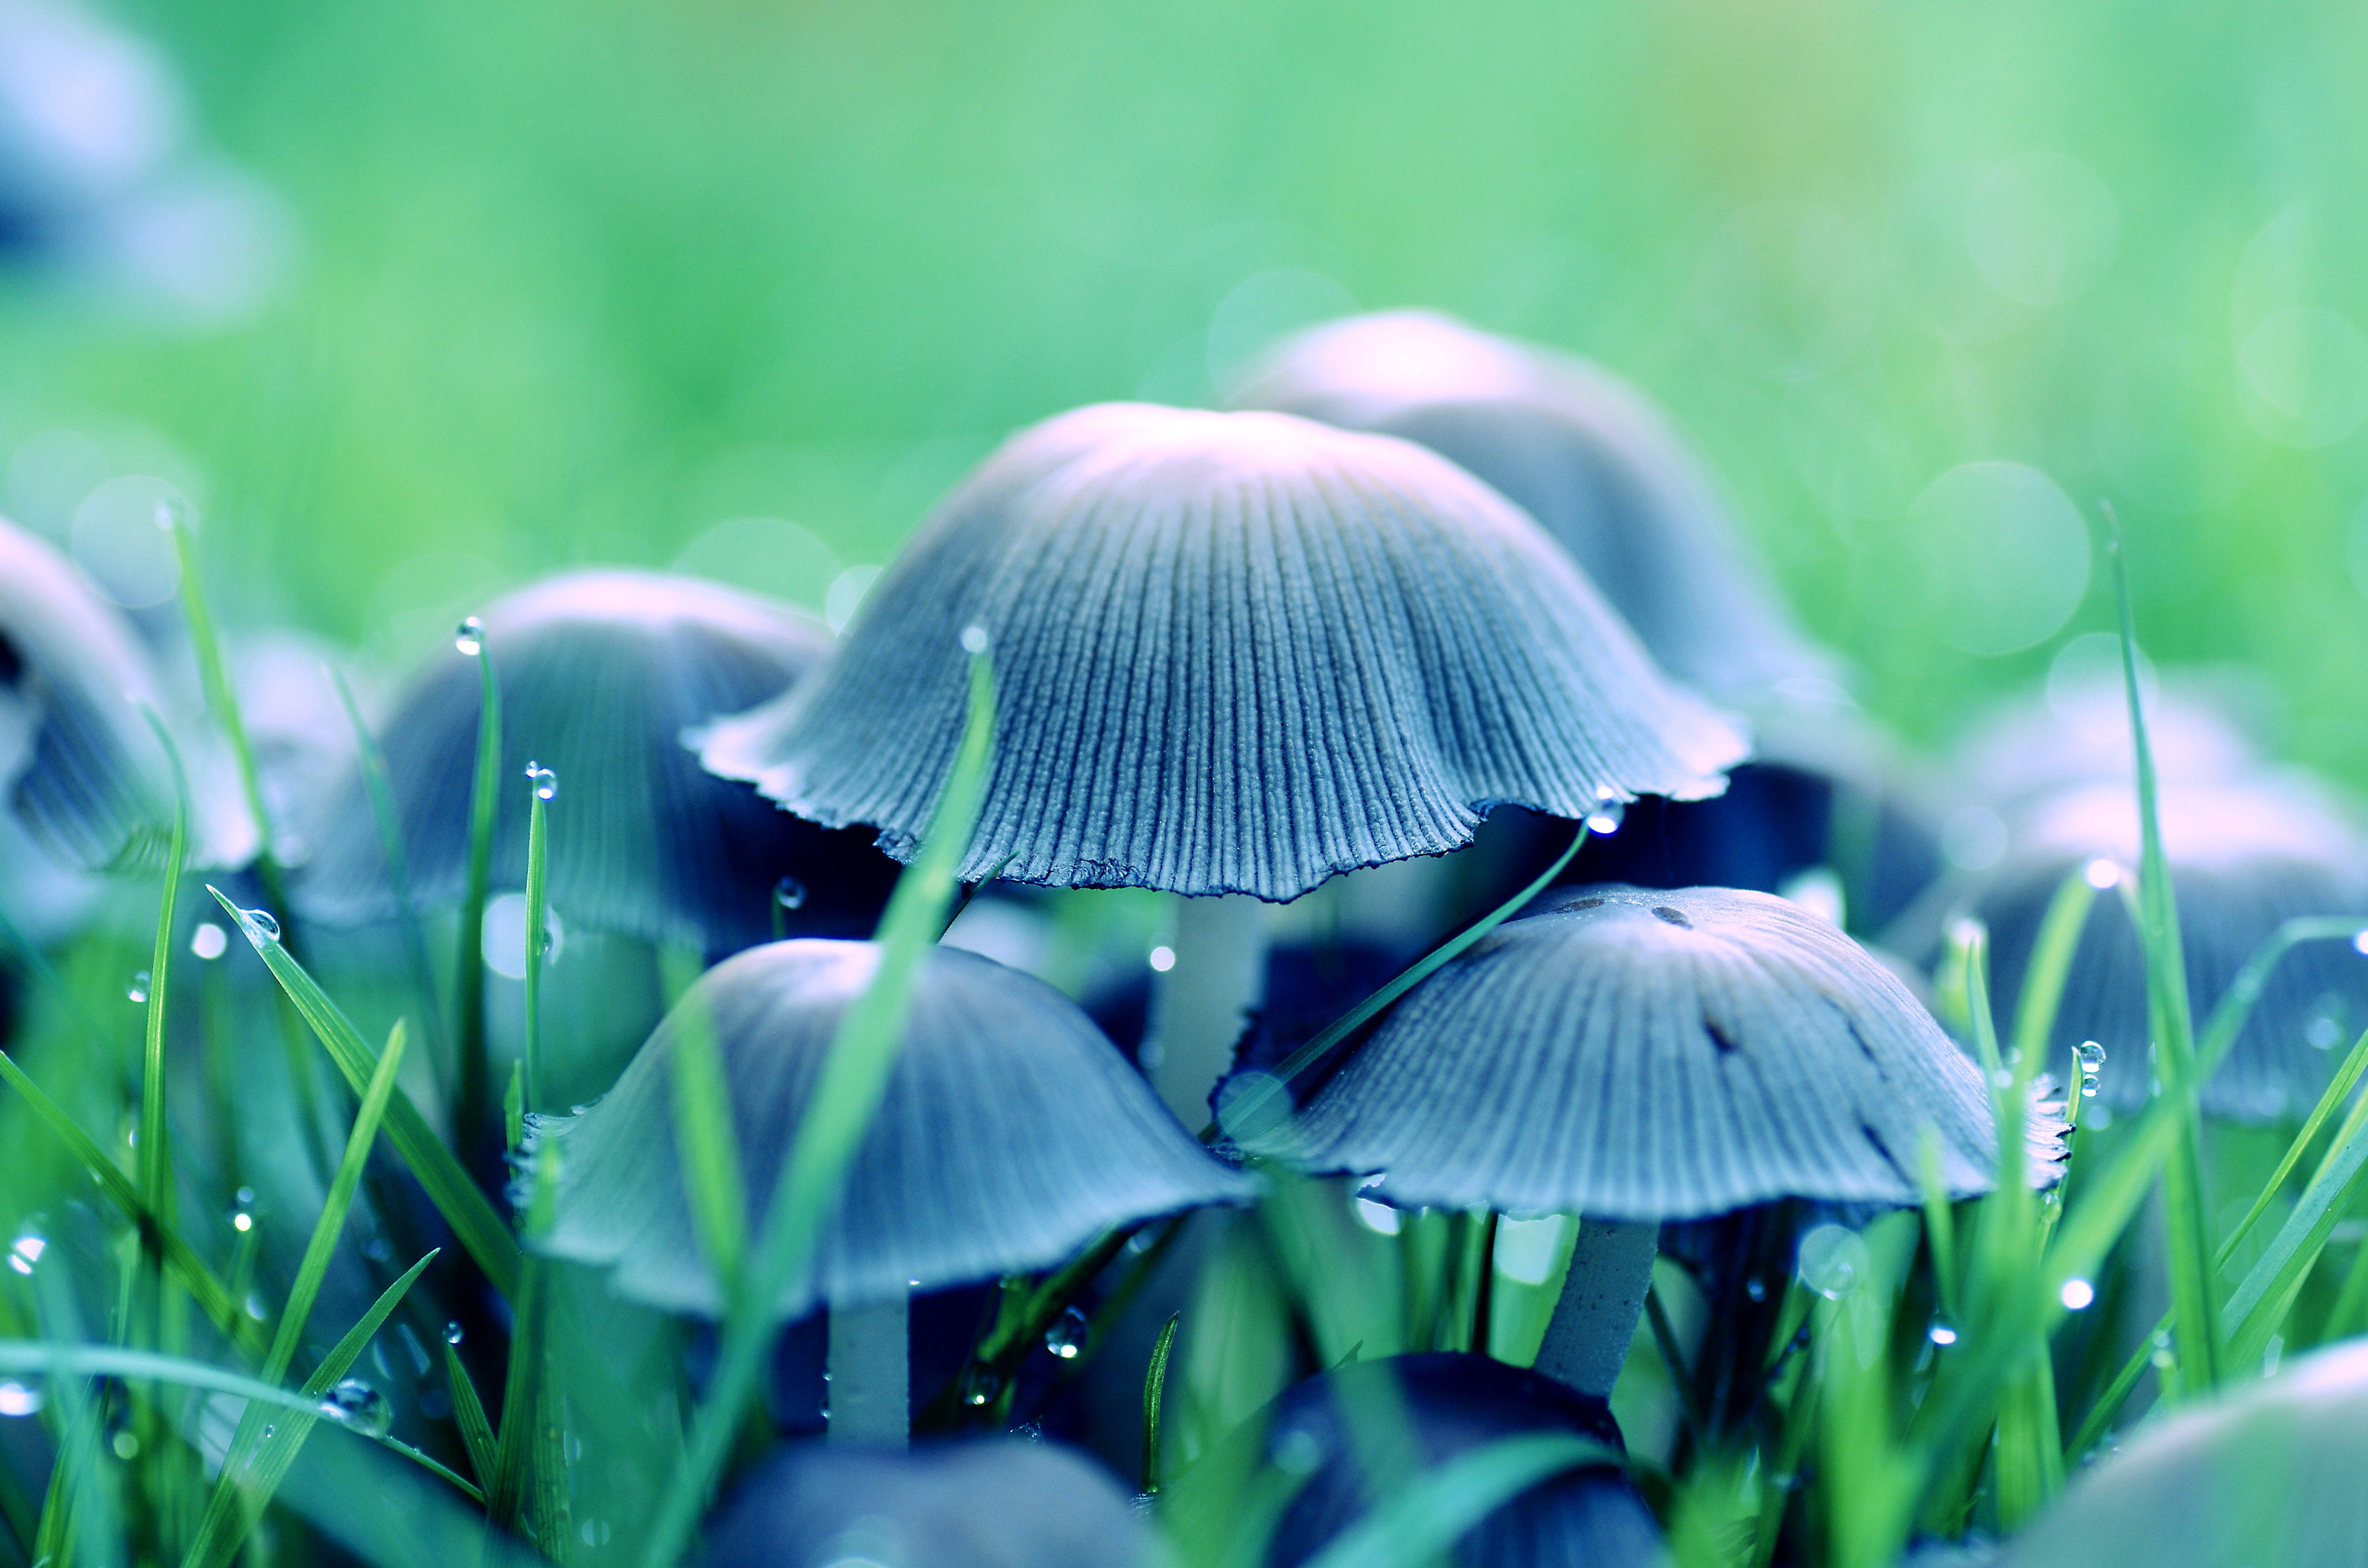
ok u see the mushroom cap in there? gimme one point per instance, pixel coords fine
(1453, 1403)
(2267, 1473)
(2244, 859)
(994, 1503)
(79, 767)
(2027, 750)
(1644, 1055)
(601, 673)
(1581, 450)
(1011, 1134)
(1237, 653)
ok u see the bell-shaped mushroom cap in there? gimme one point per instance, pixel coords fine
(2244, 859)
(601, 673)
(1578, 449)
(1011, 1133)
(2079, 733)
(1238, 652)
(2269, 1474)
(995, 1503)
(79, 767)
(1643, 1055)
(1451, 1403)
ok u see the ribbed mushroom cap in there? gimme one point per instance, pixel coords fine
(2244, 859)
(1011, 1133)
(1238, 652)
(1634, 1054)
(997, 1503)
(601, 673)
(1452, 1403)
(2269, 1474)
(1577, 448)
(78, 765)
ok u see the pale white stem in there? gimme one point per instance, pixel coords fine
(1200, 1004)
(871, 1373)
(1611, 1268)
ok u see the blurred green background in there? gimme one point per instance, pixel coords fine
(561, 283)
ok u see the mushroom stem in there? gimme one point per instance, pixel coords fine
(871, 1374)
(1610, 1267)
(1202, 1001)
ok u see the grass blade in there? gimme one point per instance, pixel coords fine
(853, 1077)
(1433, 1511)
(1253, 1099)
(473, 1222)
(221, 699)
(2261, 1300)
(155, 1168)
(2339, 1089)
(538, 937)
(1154, 1396)
(711, 1149)
(2051, 963)
(381, 791)
(468, 966)
(469, 1415)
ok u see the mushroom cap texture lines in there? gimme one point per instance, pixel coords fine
(1235, 652)
(601, 673)
(1011, 1133)
(1583, 452)
(1644, 1056)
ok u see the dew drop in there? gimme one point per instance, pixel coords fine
(261, 924)
(356, 1405)
(2092, 1056)
(244, 1198)
(209, 941)
(138, 990)
(1756, 1287)
(240, 1220)
(980, 1386)
(1067, 1338)
(789, 893)
(1942, 1334)
(470, 638)
(19, 1399)
(454, 1332)
(546, 782)
(1609, 813)
(975, 639)
(26, 1251)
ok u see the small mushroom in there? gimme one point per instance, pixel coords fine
(1011, 1133)
(999, 1502)
(1581, 452)
(79, 767)
(1237, 653)
(600, 673)
(1318, 1438)
(2267, 1473)
(2245, 857)
(1638, 1056)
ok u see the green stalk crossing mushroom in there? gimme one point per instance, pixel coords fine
(1635, 1056)
(1011, 1133)
(1240, 653)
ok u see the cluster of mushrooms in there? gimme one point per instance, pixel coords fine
(1420, 593)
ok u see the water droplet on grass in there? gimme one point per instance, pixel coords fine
(979, 1386)
(356, 1405)
(1609, 813)
(546, 782)
(469, 637)
(454, 1333)
(138, 990)
(1067, 1338)
(261, 924)
(1942, 1334)
(789, 893)
(26, 1251)
(975, 639)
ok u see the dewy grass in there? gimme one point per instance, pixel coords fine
(541, 786)
(474, 1097)
(710, 1150)
(156, 1166)
(854, 1076)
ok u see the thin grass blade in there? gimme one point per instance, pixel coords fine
(2261, 1299)
(711, 1149)
(538, 939)
(1155, 1399)
(469, 1415)
(155, 1167)
(469, 967)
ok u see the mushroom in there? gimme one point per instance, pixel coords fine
(995, 1503)
(600, 672)
(1240, 652)
(1581, 452)
(1318, 1438)
(1011, 1133)
(2079, 733)
(80, 768)
(2266, 1473)
(2245, 857)
(1636, 1056)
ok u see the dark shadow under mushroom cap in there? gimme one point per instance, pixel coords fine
(1236, 652)
(2267, 1473)
(1656, 1055)
(1582, 452)
(997, 1503)
(1011, 1134)
(2244, 859)
(1451, 1403)
(78, 765)
(601, 673)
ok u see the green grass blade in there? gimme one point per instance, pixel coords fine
(853, 1077)
(2172, 1024)
(2339, 1089)
(379, 788)
(1155, 1399)
(538, 902)
(711, 1172)
(2236, 1003)
(156, 1165)
(468, 966)
(469, 1415)
(2051, 963)
(1432, 1512)
(473, 1222)
(515, 1491)
(217, 1301)
(221, 699)
(2261, 1300)
(1253, 1100)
